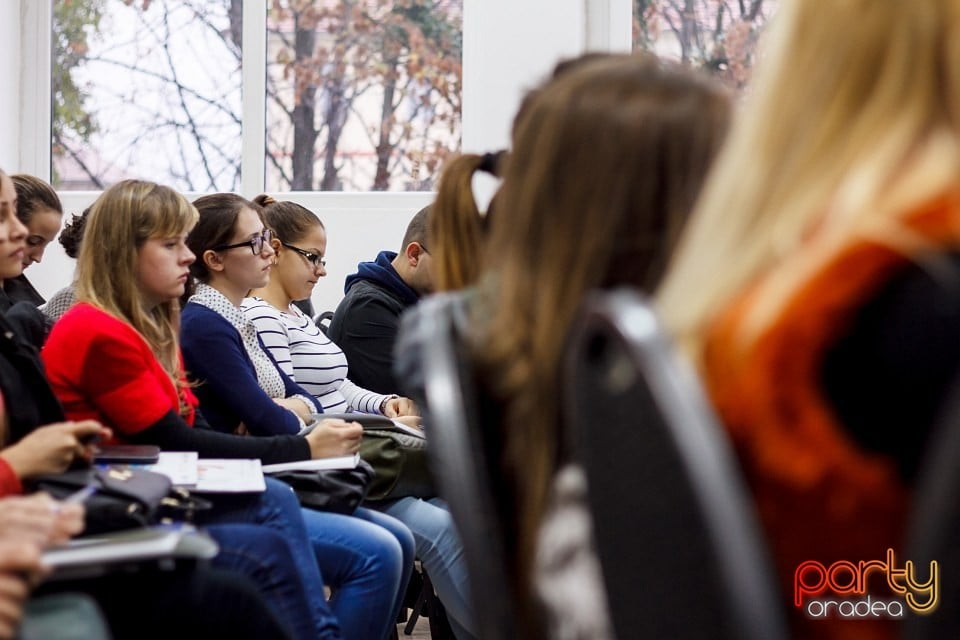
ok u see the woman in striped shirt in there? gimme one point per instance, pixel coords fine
(318, 365)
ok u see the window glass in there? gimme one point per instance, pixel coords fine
(147, 89)
(717, 35)
(362, 95)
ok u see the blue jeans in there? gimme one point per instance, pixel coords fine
(441, 554)
(366, 558)
(264, 555)
(276, 509)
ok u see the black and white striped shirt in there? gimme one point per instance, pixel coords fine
(305, 354)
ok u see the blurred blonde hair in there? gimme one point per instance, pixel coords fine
(124, 217)
(851, 124)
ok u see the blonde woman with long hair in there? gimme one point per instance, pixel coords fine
(816, 285)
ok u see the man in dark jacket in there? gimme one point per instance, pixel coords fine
(366, 320)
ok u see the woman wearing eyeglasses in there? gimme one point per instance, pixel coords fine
(295, 342)
(308, 356)
(367, 557)
(234, 255)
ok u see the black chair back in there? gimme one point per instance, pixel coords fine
(933, 531)
(676, 534)
(322, 320)
(457, 450)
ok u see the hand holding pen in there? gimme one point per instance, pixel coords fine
(41, 519)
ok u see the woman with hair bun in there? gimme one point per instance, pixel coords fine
(367, 556)
(315, 362)
(39, 209)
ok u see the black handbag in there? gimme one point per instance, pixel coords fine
(337, 490)
(124, 498)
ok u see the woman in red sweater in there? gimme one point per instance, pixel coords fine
(115, 356)
(135, 605)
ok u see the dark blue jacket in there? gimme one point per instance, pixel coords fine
(366, 321)
(226, 379)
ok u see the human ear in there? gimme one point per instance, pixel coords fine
(213, 260)
(413, 252)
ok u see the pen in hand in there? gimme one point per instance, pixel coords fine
(80, 496)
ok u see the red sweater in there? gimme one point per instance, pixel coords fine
(9, 481)
(820, 494)
(101, 368)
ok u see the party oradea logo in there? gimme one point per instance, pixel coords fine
(858, 590)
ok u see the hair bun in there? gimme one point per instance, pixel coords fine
(263, 200)
(490, 162)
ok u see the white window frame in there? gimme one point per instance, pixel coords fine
(493, 84)
(508, 47)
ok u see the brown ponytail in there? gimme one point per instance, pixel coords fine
(456, 228)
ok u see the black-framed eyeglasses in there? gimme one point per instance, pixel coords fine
(256, 243)
(313, 258)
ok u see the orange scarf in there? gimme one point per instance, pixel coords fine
(819, 495)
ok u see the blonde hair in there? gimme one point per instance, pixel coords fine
(851, 124)
(122, 219)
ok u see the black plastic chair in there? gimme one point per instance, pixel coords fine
(444, 385)
(322, 320)
(933, 531)
(676, 535)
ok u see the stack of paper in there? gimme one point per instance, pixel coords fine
(179, 466)
(339, 462)
(229, 476)
(367, 421)
(210, 475)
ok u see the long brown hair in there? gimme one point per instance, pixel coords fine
(607, 160)
(122, 219)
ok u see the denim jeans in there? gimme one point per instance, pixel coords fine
(277, 509)
(441, 554)
(264, 555)
(366, 558)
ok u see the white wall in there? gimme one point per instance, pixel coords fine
(357, 228)
(10, 95)
(509, 46)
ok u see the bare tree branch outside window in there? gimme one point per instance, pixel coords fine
(719, 36)
(159, 84)
(361, 94)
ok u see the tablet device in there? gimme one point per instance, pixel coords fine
(126, 454)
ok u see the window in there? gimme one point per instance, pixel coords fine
(717, 35)
(147, 89)
(360, 95)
